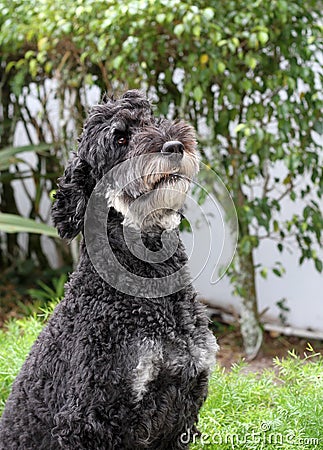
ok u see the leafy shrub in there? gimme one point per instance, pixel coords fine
(244, 73)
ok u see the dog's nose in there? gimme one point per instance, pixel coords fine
(173, 147)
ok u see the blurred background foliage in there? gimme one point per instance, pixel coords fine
(246, 74)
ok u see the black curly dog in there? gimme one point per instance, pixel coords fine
(119, 365)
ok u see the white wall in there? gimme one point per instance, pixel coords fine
(302, 286)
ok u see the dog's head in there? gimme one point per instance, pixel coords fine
(147, 164)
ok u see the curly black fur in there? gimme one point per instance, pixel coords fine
(110, 370)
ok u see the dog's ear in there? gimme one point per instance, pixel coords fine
(71, 197)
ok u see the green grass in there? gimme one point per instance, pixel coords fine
(265, 411)
(271, 410)
(15, 344)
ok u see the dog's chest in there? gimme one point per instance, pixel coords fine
(181, 357)
(191, 354)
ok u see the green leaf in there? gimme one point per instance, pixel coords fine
(264, 272)
(208, 13)
(235, 41)
(263, 37)
(292, 196)
(179, 29)
(29, 54)
(318, 265)
(277, 272)
(33, 67)
(161, 18)
(275, 226)
(7, 154)
(246, 245)
(318, 126)
(253, 41)
(251, 62)
(239, 127)
(197, 30)
(116, 63)
(11, 223)
(222, 42)
(198, 93)
(221, 67)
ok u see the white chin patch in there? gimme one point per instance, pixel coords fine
(116, 201)
(157, 208)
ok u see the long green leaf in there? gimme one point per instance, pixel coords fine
(11, 223)
(8, 154)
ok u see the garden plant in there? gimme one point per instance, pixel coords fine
(245, 74)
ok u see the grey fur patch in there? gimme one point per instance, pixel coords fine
(204, 353)
(198, 356)
(147, 368)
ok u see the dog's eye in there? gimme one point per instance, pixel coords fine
(122, 140)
